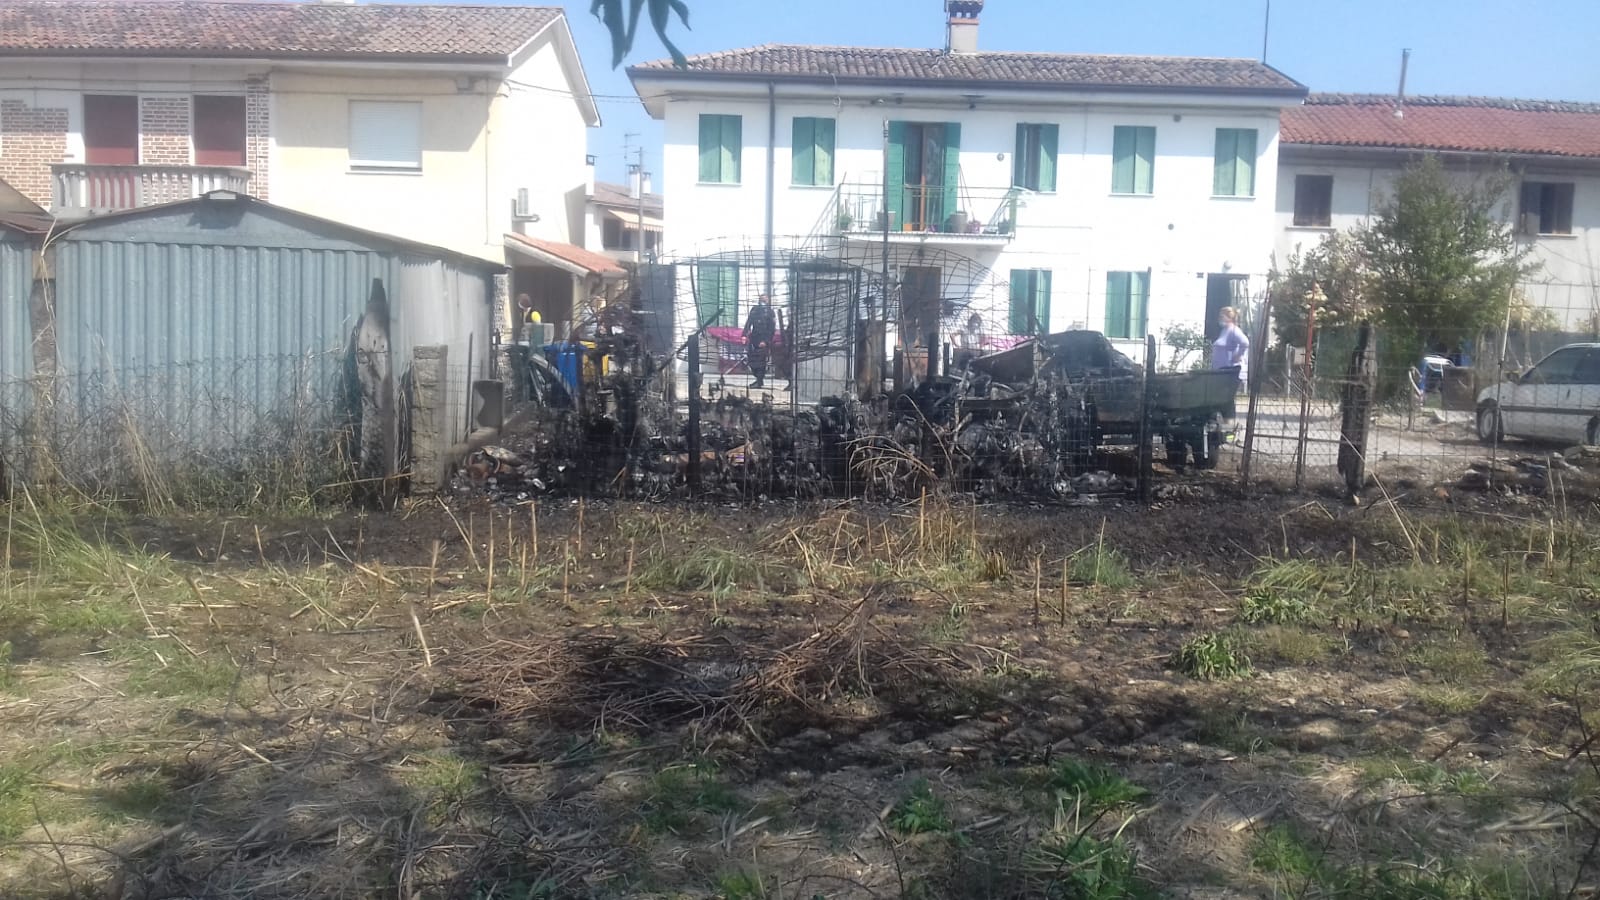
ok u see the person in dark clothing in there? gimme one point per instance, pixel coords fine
(759, 329)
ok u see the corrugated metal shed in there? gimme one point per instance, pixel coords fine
(16, 279)
(217, 321)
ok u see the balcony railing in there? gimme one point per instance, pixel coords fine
(974, 214)
(100, 189)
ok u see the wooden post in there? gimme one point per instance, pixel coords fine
(1355, 411)
(1146, 462)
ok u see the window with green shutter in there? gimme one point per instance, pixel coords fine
(1127, 296)
(1033, 165)
(1030, 302)
(1235, 163)
(1133, 159)
(716, 293)
(721, 143)
(812, 149)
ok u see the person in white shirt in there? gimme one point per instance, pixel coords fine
(1231, 348)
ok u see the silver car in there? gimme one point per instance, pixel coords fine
(1556, 400)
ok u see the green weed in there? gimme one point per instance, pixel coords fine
(1460, 658)
(1211, 657)
(1083, 867)
(175, 673)
(1289, 645)
(139, 798)
(1280, 850)
(446, 778)
(717, 572)
(741, 884)
(1100, 566)
(921, 811)
(1274, 607)
(16, 800)
(676, 795)
(1095, 787)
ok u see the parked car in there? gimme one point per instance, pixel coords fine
(1556, 400)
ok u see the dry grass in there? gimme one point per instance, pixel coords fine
(849, 702)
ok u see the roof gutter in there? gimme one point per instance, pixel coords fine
(1291, 151)
(428, 61)
(639, 73)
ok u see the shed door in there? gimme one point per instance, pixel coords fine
(110, 130)
(219, 131)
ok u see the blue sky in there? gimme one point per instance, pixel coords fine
(1543, 49)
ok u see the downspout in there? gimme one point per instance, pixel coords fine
(772, 169)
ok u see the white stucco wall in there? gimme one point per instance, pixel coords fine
(1568, 279)
(1079, 232)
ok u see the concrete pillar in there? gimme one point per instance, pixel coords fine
(429, 412)
(508, 327)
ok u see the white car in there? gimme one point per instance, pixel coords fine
(1556, 400)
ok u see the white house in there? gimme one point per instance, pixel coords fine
(458, 126)
(1042, 191)
(1340, 153)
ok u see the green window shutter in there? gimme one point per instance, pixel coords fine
(707, 293)
(1138, 302)
(1124, 144)
(1041, 300)
(730, 293)
(1019, 159)
(1117, 302)
(1235, 163)
(894, 179)
(710, 148)
(1049, 137)
(1222, 177)
(1245, 173)
(732, 148)
(1144, 160)
(803, 150)
(952, 170)
(1021, 300)
(822, 171)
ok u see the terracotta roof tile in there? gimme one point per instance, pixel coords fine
(212, 28)
(1469, 124)
(1027, 70)
(589, 260)
(608, 194)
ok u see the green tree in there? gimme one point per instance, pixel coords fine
(1441, 259)
(1332, 278)
(621, 18)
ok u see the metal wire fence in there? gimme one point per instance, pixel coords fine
(267, 431)
(1445, 407)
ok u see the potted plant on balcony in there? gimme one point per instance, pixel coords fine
(957, 223)
(845, 220)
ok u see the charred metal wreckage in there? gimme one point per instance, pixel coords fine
(1039, 419)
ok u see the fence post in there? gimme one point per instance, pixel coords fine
(1146, 460)
(429, 413)
(1355, 411)
(692, 439)
(1258, 352)
(1305, 397)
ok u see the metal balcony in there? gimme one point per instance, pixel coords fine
(980, 215)
(91, 190)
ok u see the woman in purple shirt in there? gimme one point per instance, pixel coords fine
(1231, 347)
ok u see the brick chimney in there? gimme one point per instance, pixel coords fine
(961, 35)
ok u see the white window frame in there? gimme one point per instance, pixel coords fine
(388, 155)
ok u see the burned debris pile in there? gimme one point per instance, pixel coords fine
(1037, 420)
